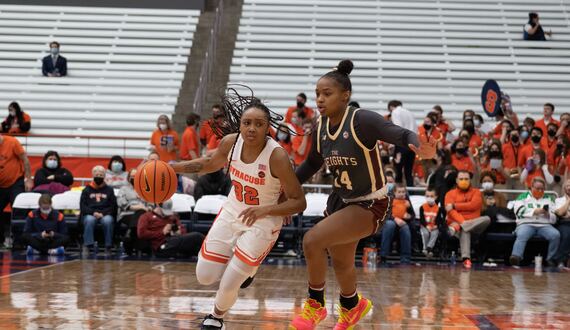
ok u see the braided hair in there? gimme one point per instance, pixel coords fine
(234, 106)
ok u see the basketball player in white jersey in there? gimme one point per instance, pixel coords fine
(250, 220)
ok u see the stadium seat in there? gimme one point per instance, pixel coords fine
(205, 212)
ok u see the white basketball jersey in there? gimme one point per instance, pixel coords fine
(252, 184)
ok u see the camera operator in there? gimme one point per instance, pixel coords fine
(167, 236)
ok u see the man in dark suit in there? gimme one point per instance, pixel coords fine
(54, 65)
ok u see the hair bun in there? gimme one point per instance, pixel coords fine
(345, 66)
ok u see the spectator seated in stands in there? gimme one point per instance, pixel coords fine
(54, 65)
(45, 231)
(98, 203)
(164, 139)
(462, 158)
(463, 206)
(52, 178)
(430, 218)
(116, 174)
(402, 214)
(535, 216)
(494, 203)
(562, 210)
(17, 122)
(533, 29)
(300, 107)
(190, 145)
(215, 183)
(536, 167)
(131, 207)
(493, 162)
(167, 236)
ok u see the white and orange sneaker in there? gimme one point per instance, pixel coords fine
(313, 313)
(348, 318)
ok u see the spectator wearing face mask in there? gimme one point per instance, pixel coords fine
(17, 121)
(562, 156)
(284, 138)
(506, 128)
(429, 130)
(536, 167)
(98, 204)
(535, 216)
(301, 107)
(164, 139)
(488, 181)
(535, 144)
(548, 143)
(116, 174)
(481, 127)
(45, 231)
(131, 207)
(52, 177)
(54, 65)
(463, 205)
(493, 162)
(475, 140)
(564, 125)
(430, 217)
(302, 143)
(190, 146)
(461, 157)
(547, 112)
(524, 132)
(510, 152)
(443, 124)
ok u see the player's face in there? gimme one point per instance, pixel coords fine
(254, 125)
(331, 99)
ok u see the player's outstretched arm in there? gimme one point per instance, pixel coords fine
(208, 164)
(281, 168)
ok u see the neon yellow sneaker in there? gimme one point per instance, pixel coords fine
(348, 318)
(313, 313)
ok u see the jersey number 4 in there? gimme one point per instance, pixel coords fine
(246, 194)
(344, 179)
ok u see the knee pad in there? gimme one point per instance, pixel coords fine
(209, 272)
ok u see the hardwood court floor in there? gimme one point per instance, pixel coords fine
(113, 294)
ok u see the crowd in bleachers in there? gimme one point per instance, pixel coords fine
(473, 160)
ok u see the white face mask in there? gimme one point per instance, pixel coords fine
(162, 127)
(477, 122)
(281, 136)
(51, 163)
(487, 186)
(116, 167)
(430, 200)
(536, 161)
(45, 211)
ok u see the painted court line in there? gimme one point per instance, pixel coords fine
(38, 268)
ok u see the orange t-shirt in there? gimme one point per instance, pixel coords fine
(510, 155)
(475, 141)
(298, 158)
(213, 143)
(549, 147)
(11, 167)
(17, 130)
(463, 164)
(206, 132)
(542, 125)
(161, 140)
(399, 208)
(189, 142)
(444, 128)
(430, 215)
(531, 175)
(309, 113)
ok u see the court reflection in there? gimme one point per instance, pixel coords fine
(92, 294)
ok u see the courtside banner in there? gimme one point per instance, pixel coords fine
(491, 98)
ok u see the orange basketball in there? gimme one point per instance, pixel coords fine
(155, 181)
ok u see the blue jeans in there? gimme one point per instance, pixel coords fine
(525, 232)
(89, 222)
(387, 235)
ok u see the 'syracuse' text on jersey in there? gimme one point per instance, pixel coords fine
(252, 184)
(357, 170)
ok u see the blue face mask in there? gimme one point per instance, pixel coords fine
(116, 167)
(390, 186)
(54, 51)
(524, 135)
(51, 163)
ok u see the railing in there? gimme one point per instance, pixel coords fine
(209, 59)
(77, 139)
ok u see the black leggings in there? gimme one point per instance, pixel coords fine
(44, 244)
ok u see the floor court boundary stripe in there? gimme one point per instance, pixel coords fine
(38, 268)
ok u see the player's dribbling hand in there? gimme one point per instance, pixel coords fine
(427, 148)
(250, 215)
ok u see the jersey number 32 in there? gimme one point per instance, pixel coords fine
(246, 194)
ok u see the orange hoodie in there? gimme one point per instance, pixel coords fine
(467, 204)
